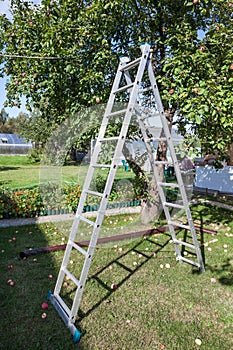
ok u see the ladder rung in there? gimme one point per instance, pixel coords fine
(156, 139)
(122, 111)
(168, 184)
(123, 88)
(148, 88)
(61, 302)
(94, 193)
(174, 223)
(86, 220)
(177, 241)
(115, 138)
(77, 247)
(71, 276)
(163, 162)
(101, 165)
(131, 64)
(189, 261)
(173, 205)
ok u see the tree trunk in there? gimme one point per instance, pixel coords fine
(151, 204)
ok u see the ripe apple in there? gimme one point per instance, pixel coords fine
(113, 286)
(195, 2)
(23, 75)
(16, 83)
(230, 4)
(44, 306)
(196, 90)
(231, 66)
(217, 27)
(171, 91)
(202, 48)
(11, 282)
(97, 100)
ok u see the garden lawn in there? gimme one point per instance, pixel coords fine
(17, 172)
(158, 303)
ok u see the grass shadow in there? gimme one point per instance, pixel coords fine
(21, 324)
(130, 272)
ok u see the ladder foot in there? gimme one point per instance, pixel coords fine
(77, 336)
(49, 295)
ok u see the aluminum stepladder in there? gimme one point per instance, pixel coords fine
(133, 89)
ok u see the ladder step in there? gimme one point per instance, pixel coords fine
(181, 258)
(173, 205)
(131, 65)
(165, 162)
(94, 193)
(174, 223)
(123, 88)
(168, 184)
(177, 241)
(71, 276)
(113, 114)
(77, 247)
(148, 88)
(92, 223)
(156, 139)
(115, 138)
(101, 165)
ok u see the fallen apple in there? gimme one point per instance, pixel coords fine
(10, 267)
(44, 306)
(44, 315)
(198, 341)
(113, 286)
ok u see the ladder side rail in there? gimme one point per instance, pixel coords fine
(175, 162)
(111, 176)
(87, 182)
(157, 178)
(169, 141)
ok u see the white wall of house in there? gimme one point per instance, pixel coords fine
(221, 180)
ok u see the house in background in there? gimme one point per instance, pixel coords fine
(13, 144)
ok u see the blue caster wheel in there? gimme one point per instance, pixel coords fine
(77, 336)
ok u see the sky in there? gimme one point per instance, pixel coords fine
(14, 111)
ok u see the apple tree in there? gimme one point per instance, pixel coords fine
(62, 55)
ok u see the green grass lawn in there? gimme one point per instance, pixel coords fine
(159, 303)
(17, 172)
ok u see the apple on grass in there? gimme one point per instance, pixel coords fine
(44, 306)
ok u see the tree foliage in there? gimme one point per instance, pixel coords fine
(73, 49)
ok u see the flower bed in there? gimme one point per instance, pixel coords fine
(52, 199)
(47, 199)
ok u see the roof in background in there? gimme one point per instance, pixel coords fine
(12, 139)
